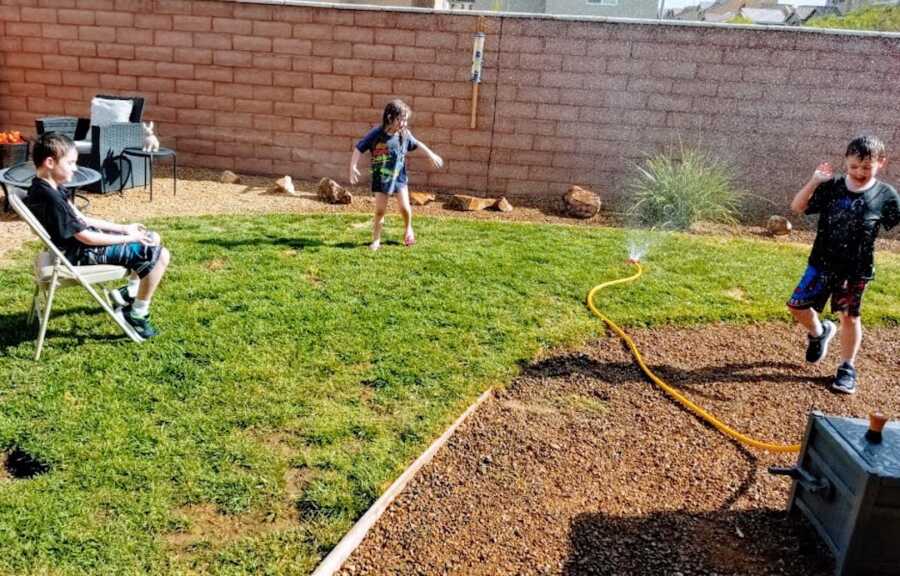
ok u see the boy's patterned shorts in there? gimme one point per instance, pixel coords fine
(137, 257)
(816, 287)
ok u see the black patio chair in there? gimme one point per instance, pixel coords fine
(101, 147)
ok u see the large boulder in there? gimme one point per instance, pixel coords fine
(420, 198)
(333, 193)
(580, 202)
(468, 203)
(778, 226)
(502, 205)
(284, 186)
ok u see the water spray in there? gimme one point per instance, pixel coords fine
(634, 259)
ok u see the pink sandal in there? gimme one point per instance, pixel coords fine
(409, 239)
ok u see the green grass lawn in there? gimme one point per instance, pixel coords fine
(298, 373)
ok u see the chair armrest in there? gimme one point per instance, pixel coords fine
(63, 124)
(74, 128)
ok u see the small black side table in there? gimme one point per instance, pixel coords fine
(148, 159)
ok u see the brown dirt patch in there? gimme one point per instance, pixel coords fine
(4, 472)
(542, 481)
(205, 526)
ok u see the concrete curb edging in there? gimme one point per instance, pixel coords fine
(352, 539)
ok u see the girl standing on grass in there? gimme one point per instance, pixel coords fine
(389, 144)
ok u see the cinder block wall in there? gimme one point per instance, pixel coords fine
(287, 89)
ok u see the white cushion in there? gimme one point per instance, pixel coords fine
(83, 146)
(106, 112)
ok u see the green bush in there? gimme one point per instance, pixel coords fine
(881, 18)
(740, 19)
(674, 190)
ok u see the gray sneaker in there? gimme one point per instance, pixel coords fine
(845, 379)
(817, 347)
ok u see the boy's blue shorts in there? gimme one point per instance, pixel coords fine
(816, 287)
(137, 257)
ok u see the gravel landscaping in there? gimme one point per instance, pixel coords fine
(581, 466)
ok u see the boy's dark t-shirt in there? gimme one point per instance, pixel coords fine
(51, 207)
(386, 152)
(848, 226)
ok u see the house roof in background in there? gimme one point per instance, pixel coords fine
(775, 15)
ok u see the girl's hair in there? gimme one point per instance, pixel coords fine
(51, 145)
(395, 109)
(866, 147)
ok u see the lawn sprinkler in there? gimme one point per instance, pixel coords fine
(847, 484)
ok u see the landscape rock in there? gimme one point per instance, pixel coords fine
(581, 203)
(420, 198)
(284, 186)
(468, 203)
(778, 226)
(229, 177)
(333, 193)
(502, 205)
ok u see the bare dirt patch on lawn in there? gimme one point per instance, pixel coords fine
(532, 484)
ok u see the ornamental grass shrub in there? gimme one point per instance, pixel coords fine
(674, 189)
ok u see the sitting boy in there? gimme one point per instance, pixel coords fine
(86, 241)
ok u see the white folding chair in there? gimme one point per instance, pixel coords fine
(53, 270)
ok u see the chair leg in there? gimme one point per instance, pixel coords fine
(35, 311)
(129, 331)
(46, 318)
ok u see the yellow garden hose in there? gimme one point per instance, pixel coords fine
(681, 398)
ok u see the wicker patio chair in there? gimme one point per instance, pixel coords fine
(105, 153)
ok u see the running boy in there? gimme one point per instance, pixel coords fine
(85, 240)
(852, 208)
(389, 144)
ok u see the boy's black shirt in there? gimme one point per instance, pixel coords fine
(848, 226)
(51, 207)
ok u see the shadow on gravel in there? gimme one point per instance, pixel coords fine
(747, 542)
(692, 381)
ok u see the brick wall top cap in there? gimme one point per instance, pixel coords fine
(573, 18)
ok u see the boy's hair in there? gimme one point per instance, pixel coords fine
(395, 109)
(51, 145)
(866, 147)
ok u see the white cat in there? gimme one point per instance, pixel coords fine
(151, 142)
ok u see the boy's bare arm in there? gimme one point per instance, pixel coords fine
(435, 159)
(107, 225)
(823, 173)
(120, 233)
(354, 160)
(95, 238)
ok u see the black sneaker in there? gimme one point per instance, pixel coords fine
(818, 345)
(120, 297)
(845, 379)
(140, 324)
